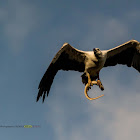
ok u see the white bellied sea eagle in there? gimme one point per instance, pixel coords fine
(90, 63)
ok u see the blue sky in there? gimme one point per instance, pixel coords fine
(31, 34)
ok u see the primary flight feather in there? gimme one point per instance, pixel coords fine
(89, 62)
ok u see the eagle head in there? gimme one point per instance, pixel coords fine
(97, 52)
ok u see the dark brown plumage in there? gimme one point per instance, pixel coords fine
(126, 54)
(67, 58)
(89, 62)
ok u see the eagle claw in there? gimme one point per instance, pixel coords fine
(100, 85)
(88, 86)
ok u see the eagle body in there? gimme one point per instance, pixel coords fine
(94, 64)
(89, 62)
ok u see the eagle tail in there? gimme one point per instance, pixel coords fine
(46, 82)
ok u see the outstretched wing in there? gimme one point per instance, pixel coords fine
(126, 54)
(67, 58)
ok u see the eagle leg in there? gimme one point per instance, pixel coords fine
(99, 83)
(91, 83)
(89, 80)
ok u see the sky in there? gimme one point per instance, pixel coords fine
(32, 32)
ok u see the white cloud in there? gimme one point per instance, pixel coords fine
(18, 21)
(3, 14)
(114, 116)
(104, 30)
(125, 125)
(132, 16)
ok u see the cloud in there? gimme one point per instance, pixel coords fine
(105, 30)
(110, 117)
(114, 116)
(3, 14)
(125, 125)
(18, 18)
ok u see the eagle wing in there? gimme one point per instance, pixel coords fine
(67, 58)
(126, 54)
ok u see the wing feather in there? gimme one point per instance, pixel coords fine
(67, 58)
(126, 54)
(136, 59)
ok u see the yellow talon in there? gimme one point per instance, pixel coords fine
(86, 89)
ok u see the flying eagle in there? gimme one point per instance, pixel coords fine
(90, 63)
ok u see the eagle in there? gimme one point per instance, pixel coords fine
(90, 63)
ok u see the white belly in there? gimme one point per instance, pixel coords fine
(94, 65)
(94, 68)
